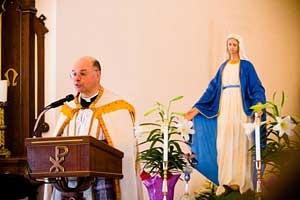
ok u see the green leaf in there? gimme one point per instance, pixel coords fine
(283, 99)
(150, 111)
(258, 107)
(275, 110)
(178, 113)
(154, 131)
(176, 98)
(148, 124)
(152, 157)
(295, 118)
(271, 115)
(273, 97)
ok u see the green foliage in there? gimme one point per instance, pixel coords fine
(152, 157)
(278, 148)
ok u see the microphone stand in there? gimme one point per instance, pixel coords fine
(35, 129)
(55, 104)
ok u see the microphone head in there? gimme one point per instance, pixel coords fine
(60, 102)
(69, 97)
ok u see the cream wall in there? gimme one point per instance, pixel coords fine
(154, 50)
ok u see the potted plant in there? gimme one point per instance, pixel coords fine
(152, 154)
(282, 143)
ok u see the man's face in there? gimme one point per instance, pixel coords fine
(232, 46)
(85, 77)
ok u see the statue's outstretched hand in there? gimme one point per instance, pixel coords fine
(191, 114)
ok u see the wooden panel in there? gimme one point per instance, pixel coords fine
(86, 156)
(11, 42)
(17, 165)
(19, 27)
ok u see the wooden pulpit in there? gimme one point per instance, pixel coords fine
(83, 157)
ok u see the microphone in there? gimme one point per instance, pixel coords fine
(60, 102)
(55, 104)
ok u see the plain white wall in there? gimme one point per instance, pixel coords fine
(155, 50)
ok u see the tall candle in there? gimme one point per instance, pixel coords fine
(257, 138)
(165, 132)
(3, 90)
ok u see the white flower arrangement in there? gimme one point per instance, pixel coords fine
(279, 129)
(178, 133)
(284, 126)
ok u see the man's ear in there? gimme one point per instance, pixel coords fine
(99, 74)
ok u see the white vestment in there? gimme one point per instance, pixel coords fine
(110, 118)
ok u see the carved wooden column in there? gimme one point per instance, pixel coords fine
(21, 30)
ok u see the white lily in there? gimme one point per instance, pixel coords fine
(284, 125)
(139, 130)
(185, 127)
(249, 128)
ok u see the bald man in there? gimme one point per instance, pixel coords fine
(98, 112)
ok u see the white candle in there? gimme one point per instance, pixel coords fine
(3, 90)
(165, 132)
(257, 138)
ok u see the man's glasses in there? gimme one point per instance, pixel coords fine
(81, 74)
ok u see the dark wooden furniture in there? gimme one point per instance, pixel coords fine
(22, 32)
(22, 64)
(83, 157)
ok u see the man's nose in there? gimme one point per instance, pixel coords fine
(76, 77)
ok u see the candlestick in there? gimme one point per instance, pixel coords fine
(258, 156)
(257, 138)
(3, 151)
(165, 156)
(165, 132)
(165, 180)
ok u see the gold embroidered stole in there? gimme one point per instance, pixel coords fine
(71, 112)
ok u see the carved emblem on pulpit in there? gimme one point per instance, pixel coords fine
(60, 153)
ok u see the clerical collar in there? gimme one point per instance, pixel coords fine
(91, 98)
(86, 102)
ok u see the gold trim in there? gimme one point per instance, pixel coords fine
(74, 122)
(208, 117)
(71, 172)
(100, 93)
(14, 77)
(59, 159)
(97, 113)
(105, 131)
(57, 141)
(234, 61)
(3, 7)
(116, 105)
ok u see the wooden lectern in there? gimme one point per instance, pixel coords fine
(84, 157)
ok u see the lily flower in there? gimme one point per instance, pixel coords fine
(139, 130)
(249, 128)
(284, 125)
(185, 127)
